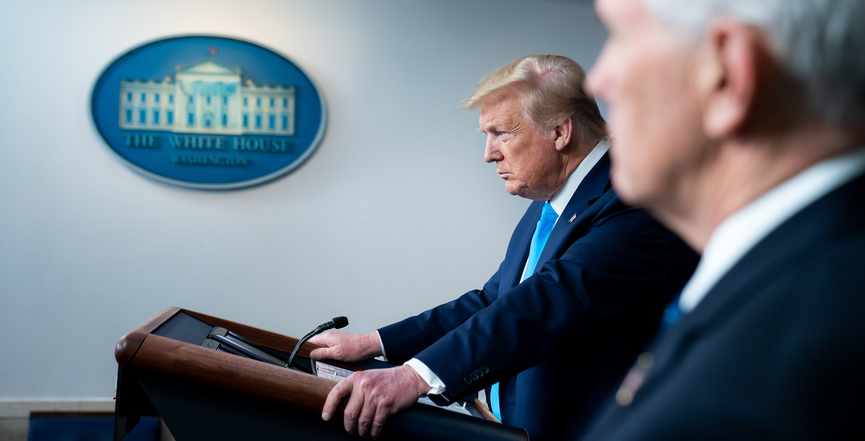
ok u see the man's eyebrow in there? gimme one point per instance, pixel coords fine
(489, 127)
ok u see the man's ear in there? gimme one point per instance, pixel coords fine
(562, 133)
(728, 74)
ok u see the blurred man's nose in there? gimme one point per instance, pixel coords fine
(595, 79)
(592, 82)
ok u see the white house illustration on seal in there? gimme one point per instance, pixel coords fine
(207, 97)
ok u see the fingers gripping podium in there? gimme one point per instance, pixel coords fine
(204, 394)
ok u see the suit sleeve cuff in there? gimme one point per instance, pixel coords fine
(435, 383)
(381, 343)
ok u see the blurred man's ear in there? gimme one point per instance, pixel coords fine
(563, 132)
(727, 76)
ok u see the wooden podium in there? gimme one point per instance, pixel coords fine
(203, 394)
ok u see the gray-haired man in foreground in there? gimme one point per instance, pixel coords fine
(740, 125)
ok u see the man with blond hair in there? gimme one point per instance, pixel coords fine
(741, 125)
(579, 293)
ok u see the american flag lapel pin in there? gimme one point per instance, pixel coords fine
(572, 218)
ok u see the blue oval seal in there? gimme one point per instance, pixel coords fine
(208, 112)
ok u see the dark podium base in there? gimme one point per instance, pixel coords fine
(197, 409)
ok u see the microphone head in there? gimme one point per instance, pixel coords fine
(340, 322)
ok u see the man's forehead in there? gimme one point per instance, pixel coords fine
(500, 113)
(491, 124)
(612, 12)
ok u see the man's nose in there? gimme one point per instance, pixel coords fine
(491, 152)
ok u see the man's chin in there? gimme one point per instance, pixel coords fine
(514, 190)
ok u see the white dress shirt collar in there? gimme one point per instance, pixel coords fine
(740, 232)
(560, 200)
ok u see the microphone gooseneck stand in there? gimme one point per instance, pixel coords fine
(336, 323)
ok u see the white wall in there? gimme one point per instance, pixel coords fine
(395, 213)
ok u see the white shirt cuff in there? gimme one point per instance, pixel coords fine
(435, 383)
(381, 343)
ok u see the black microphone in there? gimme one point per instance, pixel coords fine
(336, 323)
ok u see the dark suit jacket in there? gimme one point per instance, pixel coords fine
(561, 340)
(775, 351)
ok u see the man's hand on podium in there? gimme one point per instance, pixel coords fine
(345, 346)
(374, 396)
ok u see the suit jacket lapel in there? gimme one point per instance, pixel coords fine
(589, 190)
(514, 272)
(791, 241)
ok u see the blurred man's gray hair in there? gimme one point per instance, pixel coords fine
(821, 43)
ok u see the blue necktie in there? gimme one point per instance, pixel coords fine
(539, 239)
(672, 314)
